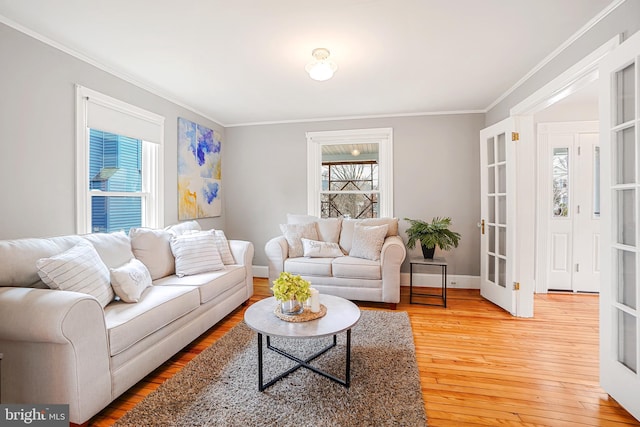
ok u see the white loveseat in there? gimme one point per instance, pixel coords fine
(353, 259)
(64, 347)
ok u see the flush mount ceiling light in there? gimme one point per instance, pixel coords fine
(321, 68)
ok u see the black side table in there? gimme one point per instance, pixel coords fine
(437, 262)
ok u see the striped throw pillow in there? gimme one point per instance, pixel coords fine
(195, 253)
(78, 269)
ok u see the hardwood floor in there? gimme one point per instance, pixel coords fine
(478, 365)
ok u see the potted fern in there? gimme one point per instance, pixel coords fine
(432, 234)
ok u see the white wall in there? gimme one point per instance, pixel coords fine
(436, 173)
(37, 135)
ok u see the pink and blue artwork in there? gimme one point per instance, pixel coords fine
(199, 171)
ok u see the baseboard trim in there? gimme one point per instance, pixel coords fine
(260, 271)
(454, 281)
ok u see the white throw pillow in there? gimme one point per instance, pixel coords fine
(368, 241)
(183, 227)
(78, 269)
(317, 249)
(328, 228)
(130, 279)
(223, 247)
(152, 247)
(294, 233)
(346, 234)
(196, 253)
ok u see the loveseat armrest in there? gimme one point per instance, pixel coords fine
(391, 257)
(56, 350)
(243, 252)
(277, 251)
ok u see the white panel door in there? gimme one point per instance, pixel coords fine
(620, 290)
(559, 180)
(569, 206)
(497, 206)
(586, 223)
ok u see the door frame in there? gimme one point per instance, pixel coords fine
(543, 193)
(529, 249)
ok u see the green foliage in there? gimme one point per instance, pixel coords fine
(288, 286)
(435, 233)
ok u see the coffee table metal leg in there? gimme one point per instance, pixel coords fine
(260, 386)
(304, 363)
(347, 381)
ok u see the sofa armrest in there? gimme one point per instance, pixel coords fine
(242, 252)
(277, 251)
(391, 257)
(56, 350)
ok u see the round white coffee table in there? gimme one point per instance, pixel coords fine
(341, 316)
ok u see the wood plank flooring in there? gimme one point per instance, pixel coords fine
(478, 365)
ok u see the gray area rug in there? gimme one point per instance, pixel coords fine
(219, 387)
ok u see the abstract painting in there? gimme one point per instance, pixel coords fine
(199, 171)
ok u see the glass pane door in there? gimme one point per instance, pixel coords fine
(620, 195)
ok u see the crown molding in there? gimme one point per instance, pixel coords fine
(582, 31)
(117, 73)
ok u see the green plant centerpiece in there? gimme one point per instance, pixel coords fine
(292, 291)
(432, 234)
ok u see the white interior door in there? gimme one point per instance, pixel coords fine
(569, 205)
(497, 244)
(620, 291)
(586, 222)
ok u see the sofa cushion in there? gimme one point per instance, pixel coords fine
(130, 279)
(356, 268)
(328, 228)
(78, 269)
(294, 234)
(346, 235)
(152, 247)
(210, 284)
(19, 256)
(158, 306)
(317, 249)
(309, 266)
(368, 241)
(114, 248)
(195, 253)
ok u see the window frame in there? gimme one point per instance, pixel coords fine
(381, 136)
(152, 192)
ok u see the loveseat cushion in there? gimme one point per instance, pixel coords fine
(210, 284)
(328, 228)
(309, 266)
(356, 268)
(158, 306)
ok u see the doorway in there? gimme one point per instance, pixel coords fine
(569, 201)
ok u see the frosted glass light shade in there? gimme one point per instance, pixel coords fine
(321, 68)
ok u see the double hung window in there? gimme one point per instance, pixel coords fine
(119, 164)
(350, 173)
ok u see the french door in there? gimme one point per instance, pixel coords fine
(497, 189)
(620, 290)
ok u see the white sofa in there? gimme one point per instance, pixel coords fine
(63, 347)
(351, 275)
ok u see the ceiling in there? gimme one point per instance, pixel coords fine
(242, 61)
